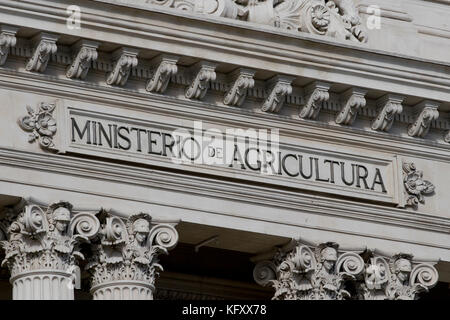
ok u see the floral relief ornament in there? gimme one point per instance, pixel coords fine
(40, 124)
(415, 185)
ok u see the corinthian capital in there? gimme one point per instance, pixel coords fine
(43, 243)
(7, 40)
(126, 257)
(44, 47)
(310, 273)
(395, 278)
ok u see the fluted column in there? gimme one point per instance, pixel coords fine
(307, 272)
(42, 249)
(124, 263)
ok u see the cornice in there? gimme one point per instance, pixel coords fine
(222, 189)
(233, 117)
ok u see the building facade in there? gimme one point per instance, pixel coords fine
(225, 149)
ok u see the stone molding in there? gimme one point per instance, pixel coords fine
(302, 271)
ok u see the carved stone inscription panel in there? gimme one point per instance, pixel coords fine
(252, 154)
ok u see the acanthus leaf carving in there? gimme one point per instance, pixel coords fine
(204, 73)
(427, 112)
(165, 68)
(128, 250)
(7, 41)
(352, 100)
(44, 47)
(316, 95)
(415, 186)
(85, 53)
(389, 106)
(47, 238)
(242, 80)
(323, 272)
(41, 124)
(124, 60)
(278, 88)
(396, 278)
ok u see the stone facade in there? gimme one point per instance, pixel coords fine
(237, 125)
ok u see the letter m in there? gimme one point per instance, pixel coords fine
(86, 131)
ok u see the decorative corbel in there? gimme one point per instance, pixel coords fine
(242, 80)
(124, 60)
(44, 46)
(279, 88)
(316, 95)
(389, 106)
(7, 40)
(165, 68)
(86, 52)
(447, 136)
(204, 73)
(352, 100)
(427, 111)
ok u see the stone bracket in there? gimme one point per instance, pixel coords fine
(278, 88)
(86, 52)
(352, 100)
(316, 95)
(389, 106)
(204, 73)
(427, 111)
(165, 68)
(44, 47)
(447, 136)
(242, 80)
(7, 40)
(124, 60)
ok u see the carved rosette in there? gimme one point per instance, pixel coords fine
(352, 101)
(396, 278)
(45, 46)
(427, 113)
(389, 106)
(242, 81)
(204, 74)
(323, 272)
(7, 41)
(42, 249)
(124, 263)
(316, 95)
(40, 124)
(85, 53)
(278, 88)
(166, 67)
(125, 60)
(415, 186)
